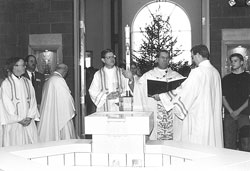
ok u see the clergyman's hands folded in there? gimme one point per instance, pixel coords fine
(25, 121)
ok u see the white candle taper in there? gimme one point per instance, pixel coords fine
(127, 44)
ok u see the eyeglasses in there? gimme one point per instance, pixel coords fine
(110, 57)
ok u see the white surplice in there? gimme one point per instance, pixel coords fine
(18, 101)
(57, 110)
(1, 111)
(198, 107)
(104, 82)
(141, 101)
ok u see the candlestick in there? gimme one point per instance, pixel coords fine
(127, 44)
(127, 54)
(127, 32)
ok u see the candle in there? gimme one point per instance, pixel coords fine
(127, 44)
(127, 32)
(127, 52)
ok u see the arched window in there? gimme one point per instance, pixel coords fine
(178, 20)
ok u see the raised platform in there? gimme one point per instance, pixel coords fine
(120, 142)
(76, 155)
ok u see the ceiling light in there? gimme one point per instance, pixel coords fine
(239, 3)
(248, 2)
(231, 2)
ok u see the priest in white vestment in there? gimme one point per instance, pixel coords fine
(197, 103)
(1, 111)
(57, 108)
(108, 84)
(18, 106)
(162, 119)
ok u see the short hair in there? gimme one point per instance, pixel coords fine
(162, 50)
(5, 71)
(238, 55)
(62, 66)
(62, 69)
(11, 62)
(202, 50)
(104, 52)
(26, 59)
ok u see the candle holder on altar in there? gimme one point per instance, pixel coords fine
(127, 44)
(126, 102)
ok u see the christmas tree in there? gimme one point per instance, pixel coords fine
(157, 35)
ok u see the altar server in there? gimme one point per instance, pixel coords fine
(57, 108)
(18, 106)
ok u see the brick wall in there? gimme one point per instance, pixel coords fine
(222, 16)
(19, 18)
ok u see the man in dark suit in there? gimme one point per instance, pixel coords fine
(36, 78)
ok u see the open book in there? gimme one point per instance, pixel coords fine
(157, 87)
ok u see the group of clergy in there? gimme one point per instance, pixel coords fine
(190, 113)
(22, 120)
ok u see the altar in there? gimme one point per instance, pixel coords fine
(120, 143)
